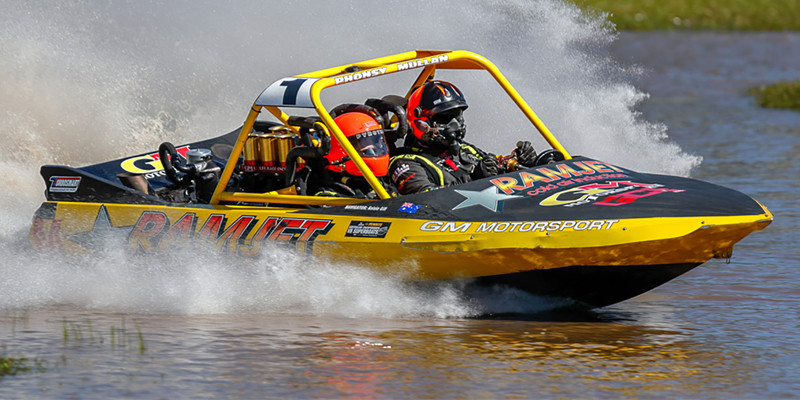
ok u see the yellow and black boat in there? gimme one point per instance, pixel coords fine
(571, 227)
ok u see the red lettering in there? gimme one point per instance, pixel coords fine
(254, 247)
(184, 228)
(599, 166)
(212, 227)
(288, 229)
(181, 150)
(506, 184)
(230, 238)
(633, 195)
(529, 179)
(584, 169)
(313, 228)
(145, 232)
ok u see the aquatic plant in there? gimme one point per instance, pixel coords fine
(10, 366)
(778, 95)
(120, 337)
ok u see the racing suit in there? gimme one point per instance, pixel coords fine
(417, 170)
(342, 185)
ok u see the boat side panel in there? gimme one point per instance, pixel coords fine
(72, 184)
(440, 249)
(608, 263)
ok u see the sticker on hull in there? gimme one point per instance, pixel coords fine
(612, 193)
(367, 229)
(517, 226)
(154, 232)
(149, 165)
(64, 184)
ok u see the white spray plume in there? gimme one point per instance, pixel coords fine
(88, 81)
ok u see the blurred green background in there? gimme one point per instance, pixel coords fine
(710, 15)
(740, 15)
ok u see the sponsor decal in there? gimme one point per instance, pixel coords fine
(368, 229)
(536, 181)
(368, 134)
(489, 198)
(64, 184)
(403, 168)
(359, 75)
(154, 232)
(611, 193)
(363, 207)
(410, 208)
(149, 165)
(422, 62)
(370, 73)
(518, 226)
(288, 92)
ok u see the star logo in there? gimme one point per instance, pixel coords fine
(103, 233)
(489, 198)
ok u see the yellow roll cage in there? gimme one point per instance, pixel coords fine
(303, 91)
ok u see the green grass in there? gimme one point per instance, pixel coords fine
(738, 15)
(779, 95)
(710, 15)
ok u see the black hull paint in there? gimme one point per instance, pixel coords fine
(590, 286)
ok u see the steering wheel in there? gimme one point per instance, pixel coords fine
(548, 157)
(172, 165)
(391, 104)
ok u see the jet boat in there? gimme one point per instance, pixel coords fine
(571, 227)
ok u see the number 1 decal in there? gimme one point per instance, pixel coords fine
(288, 92)
(292, 87)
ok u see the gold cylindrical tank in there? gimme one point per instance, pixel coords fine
(266, 152)
(284, 143)
(250, 153)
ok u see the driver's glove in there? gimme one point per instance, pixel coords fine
(526, 155)
(491, 164)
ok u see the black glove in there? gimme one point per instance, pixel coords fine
(526, 155)
(491, 164)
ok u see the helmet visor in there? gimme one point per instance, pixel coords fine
(370, 143)
(444, 118)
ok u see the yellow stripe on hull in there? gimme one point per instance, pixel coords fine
(422, 249)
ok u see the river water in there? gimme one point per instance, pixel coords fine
(116, 327)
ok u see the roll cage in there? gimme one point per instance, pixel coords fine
(303, 91)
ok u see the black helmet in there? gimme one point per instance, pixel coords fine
(435, 97)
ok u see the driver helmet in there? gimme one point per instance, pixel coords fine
(367, 137)
(436, 108)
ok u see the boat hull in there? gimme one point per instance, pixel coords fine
(594, 262)
(590, 286)
(580, 229)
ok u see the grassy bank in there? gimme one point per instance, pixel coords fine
(738, 15)
(715, 15)
(779, 95)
